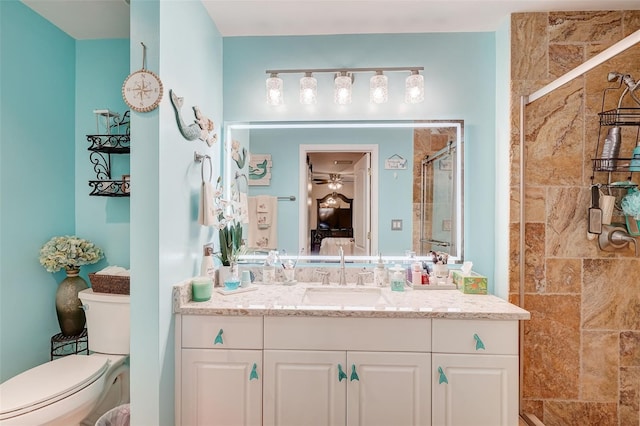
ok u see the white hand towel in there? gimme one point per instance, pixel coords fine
(262, 203)
(263, 211)
(206, 210)
(262, 238)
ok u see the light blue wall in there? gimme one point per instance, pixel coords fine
(36, 178)
(185, 49)
(459, 84)
(45, 138)
(395, 194)
(503, 160)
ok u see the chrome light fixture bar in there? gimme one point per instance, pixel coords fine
(343, 80)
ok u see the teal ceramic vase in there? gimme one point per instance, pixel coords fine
(71, 316)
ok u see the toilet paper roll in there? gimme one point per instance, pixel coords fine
(607, 203)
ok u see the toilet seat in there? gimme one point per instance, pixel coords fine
(49, 382)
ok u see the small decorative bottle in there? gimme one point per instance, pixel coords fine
(635, 159)
(380, 273)
(416, 274)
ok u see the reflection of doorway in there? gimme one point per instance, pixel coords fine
(362, 206)
(320, 167)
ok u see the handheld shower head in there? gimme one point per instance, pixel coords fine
(625, 78)
(613, 76)
(631, 84)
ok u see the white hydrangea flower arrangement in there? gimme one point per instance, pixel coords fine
(68, 252)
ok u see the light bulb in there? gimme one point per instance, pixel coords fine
(308, 89)
(378, 88)
(342, 86)
(274, 90)
(414, 88)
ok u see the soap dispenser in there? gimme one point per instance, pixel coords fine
(398, 278)
(380, 278)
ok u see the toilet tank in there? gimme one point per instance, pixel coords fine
(107, 321)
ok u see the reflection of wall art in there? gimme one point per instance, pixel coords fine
(238, 157)
(259, 169)
(395, 162)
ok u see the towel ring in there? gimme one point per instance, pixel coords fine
(198, 159)
(242, 175)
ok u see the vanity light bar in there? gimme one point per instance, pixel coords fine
(343, 80)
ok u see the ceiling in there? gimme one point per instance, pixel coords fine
(324, 163)
(93, 19)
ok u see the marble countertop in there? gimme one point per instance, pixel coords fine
(287, 300)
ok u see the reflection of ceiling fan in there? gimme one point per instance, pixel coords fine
(334, 181)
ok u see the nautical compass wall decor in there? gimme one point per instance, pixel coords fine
(142, 89)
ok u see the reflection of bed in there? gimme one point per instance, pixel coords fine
(330, 246)
(334, 220)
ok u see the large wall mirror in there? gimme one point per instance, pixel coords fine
(383, 187)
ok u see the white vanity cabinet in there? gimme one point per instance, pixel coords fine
(353, 371)
(475, 373)
(331, 371)
(220, 371)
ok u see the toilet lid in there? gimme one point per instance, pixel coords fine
(50, 380)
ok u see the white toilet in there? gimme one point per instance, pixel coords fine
(76, 389)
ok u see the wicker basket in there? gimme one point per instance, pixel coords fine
(115, 284)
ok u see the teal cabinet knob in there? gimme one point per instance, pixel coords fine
(341, 374)
(218, 339)
(479, 343)
(254, 372)
(354, 374)
(442, 378)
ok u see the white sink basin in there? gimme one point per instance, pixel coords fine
(343, 296)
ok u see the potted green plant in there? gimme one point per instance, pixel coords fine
(229, 225)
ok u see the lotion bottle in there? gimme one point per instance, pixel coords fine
(207, 269)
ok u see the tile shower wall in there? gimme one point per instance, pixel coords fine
(582, 345)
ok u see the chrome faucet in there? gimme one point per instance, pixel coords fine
(343, 279)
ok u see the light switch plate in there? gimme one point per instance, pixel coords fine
(396, 224)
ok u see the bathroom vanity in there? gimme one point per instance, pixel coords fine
(325, 355)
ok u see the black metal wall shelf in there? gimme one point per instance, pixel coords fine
(612, 165)
(102, 147)
(109, 188)
(113, 144)
(620, 117)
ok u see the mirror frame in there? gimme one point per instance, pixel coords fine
(230, 126)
